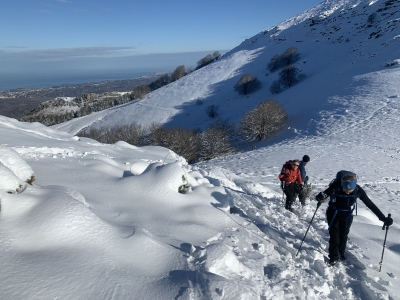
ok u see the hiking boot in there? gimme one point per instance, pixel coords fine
(342, 256)
(289, 209)
(333, 262)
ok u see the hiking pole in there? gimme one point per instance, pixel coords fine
(318, 205)
(384, 243)
(283, 194)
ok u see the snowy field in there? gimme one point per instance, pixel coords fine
(107, 221)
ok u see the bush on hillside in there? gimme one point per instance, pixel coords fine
(216, 55)
(160, 82)
(290, 56)
(287, 78)
(276, 87)
(179, 72)
(182, 141)
(372, 18)
(247, 84)
(214, 143)
(262, 121)
(212, 110)
(224, 125)
(290, 76)
(140, 91)
(208, 59)
(133, 134)
(204, 61)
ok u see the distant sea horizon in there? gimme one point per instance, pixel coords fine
(53, 79)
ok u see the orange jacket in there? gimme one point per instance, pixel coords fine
(291, 176)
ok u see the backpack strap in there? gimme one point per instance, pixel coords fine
(350, 210)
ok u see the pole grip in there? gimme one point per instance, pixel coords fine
(383, 227)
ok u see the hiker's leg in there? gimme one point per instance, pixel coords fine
(333, 235)
(289, 192)
(344, 230)
(302, 197)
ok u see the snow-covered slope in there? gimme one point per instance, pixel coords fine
(107, 221)
(336, 41)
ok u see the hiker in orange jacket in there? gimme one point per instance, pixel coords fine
(291, 182)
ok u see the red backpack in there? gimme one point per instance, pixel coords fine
(286, 166)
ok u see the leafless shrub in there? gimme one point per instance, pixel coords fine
(160, 82)
(214, 143)
(140, 91)
(262, 121)
(276, 87)
(275, 63)
(216, 55)
(290, 56)
(247, 84)
(224, 125)
(287, 78)
(182, 141)
(204, 61)
(212, 110)
(290, 76)
(132, 134)
(178, 73)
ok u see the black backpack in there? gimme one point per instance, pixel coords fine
(351, 199)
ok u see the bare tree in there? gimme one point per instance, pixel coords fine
(290, 76)
(131, 133)
(160, 82)
(182, 141)
(157, 134)
(290, 56)
(247, 84)
(224, 125)
(178, 73)
(204, 61)
(276, 87)
(275, 63)
(140, 91)
(214, 143)
(262, 121)
(212, 110)
(216, 55)
(372, 18)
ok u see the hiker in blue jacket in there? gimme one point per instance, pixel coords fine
(343, 192)
(304, 177)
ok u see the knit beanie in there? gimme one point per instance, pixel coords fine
(306, 158)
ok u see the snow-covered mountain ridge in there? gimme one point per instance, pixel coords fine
(337, 40)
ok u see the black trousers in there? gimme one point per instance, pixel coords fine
(338, 232)
(302, 196)
(291, 190)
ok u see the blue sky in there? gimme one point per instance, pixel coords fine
(56, 35)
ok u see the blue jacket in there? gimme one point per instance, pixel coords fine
(303, 172)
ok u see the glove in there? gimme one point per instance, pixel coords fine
(387, 221)
(320, 197)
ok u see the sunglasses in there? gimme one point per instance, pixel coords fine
(296, 165)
